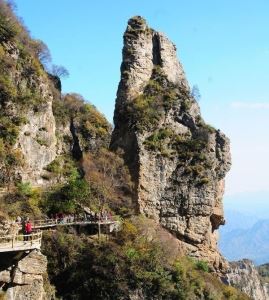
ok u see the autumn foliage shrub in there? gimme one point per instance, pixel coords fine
(110, 181)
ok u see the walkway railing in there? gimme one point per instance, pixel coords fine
(37, 224)
(19, 242)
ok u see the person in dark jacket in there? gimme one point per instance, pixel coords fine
(23, 227)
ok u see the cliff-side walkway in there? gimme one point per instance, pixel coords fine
(20, 242)
(48, 223)
(25, 242)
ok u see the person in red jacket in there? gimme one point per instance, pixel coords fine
(28, 228)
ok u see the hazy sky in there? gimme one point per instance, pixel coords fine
(223, 46)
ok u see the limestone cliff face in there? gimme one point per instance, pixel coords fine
(27, 122)
(37, 142)
(244, 276)
(21, 275)
(178, 162)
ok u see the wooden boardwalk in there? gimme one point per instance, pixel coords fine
(42, 224)
(20, 242)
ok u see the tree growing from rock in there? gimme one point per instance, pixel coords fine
(195, 92)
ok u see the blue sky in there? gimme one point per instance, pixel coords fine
(223, 46)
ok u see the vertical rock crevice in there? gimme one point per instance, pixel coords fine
(76, 149)
(156, 53)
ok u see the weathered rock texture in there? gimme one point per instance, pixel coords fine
(244, 276)
(26, 120)
(22, 278)
(178, 163)
(37, 142)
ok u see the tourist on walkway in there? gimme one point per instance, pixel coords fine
(28, 229)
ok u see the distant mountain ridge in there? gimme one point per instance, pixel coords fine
(245, 237)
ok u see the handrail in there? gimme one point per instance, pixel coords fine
(18, 236)
(67, 221)
(20, 241)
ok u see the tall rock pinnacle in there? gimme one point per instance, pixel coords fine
(177, 161)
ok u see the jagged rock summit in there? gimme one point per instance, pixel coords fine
(177, 161)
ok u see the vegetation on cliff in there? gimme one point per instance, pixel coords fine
(140, 260)
(86, 120)
(21, 73)
(149, 109)
(158, 97)
(99, 181)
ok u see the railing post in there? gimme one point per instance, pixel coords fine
(13, 241)
(99, 230)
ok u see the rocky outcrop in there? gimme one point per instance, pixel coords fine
(22, 277)
(28, 139)
(37, 142)
(21, 273)
(244, 276)
(178, 162)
